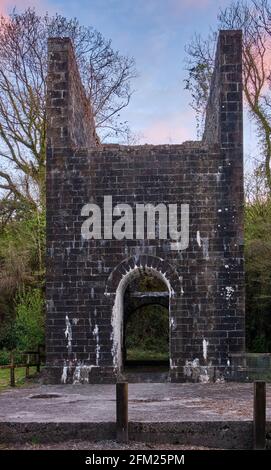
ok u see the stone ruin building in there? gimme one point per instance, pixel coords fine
(91, 284)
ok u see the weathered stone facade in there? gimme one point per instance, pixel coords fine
(87, 279)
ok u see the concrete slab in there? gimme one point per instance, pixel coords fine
(210, 415)
(148, 403)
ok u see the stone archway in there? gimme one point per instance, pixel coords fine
(207, 306)
(118, 281)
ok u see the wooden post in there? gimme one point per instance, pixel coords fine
(122, 411)
(12, 370)
(27, 370)
(259, 417)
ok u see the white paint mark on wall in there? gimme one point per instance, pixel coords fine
(172, 364)
(100, 266)
(76, 375)
(81, 374)
(75, 321)
(229, 292)
(68, 334)
(204, 378)
(117, 325)
(205, 345)
(64, 374)
(205, 248)
(96, 336)
(190, 367)
(172, 323)
(196, 372)
(198, 238)
(50, 305)
(218, 177)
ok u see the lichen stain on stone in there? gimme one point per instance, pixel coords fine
(64, 374)
(205, 248)
(97, 349)
(198, 238)
(172, 364)
(197, 373)
(204, 378)
(229, 292)
(173, 324)
(81, 374)
(68, 334)
(205, 345)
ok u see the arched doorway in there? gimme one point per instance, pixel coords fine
(140, 288)
(146, 323)
(117, 283)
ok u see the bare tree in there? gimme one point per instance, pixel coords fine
(106, 76)
(200, 65)
(255, 21)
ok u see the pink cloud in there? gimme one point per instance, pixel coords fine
(169, 130)
(7, 5)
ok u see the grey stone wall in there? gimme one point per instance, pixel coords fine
(70, 121)
(86, 279)
(224, 113)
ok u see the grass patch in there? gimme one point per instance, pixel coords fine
(138, 354)
(19, 377)
(147, 334)
(261, 375)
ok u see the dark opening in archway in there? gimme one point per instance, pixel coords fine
(146, 324)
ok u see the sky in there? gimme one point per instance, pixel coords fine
(154, 32)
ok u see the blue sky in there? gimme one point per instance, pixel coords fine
(154, 32)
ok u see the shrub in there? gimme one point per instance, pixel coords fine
(30, 319)
(148, 329)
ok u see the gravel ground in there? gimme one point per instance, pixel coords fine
(101, 445)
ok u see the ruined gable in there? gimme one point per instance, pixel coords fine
(86, 279)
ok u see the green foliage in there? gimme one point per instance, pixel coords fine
(29, 323)
(5, 357)
(8, 337)
(258, 275)
(141, 354)
(147, 330)
(149, 283)
(22, 248)
(6, 322)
